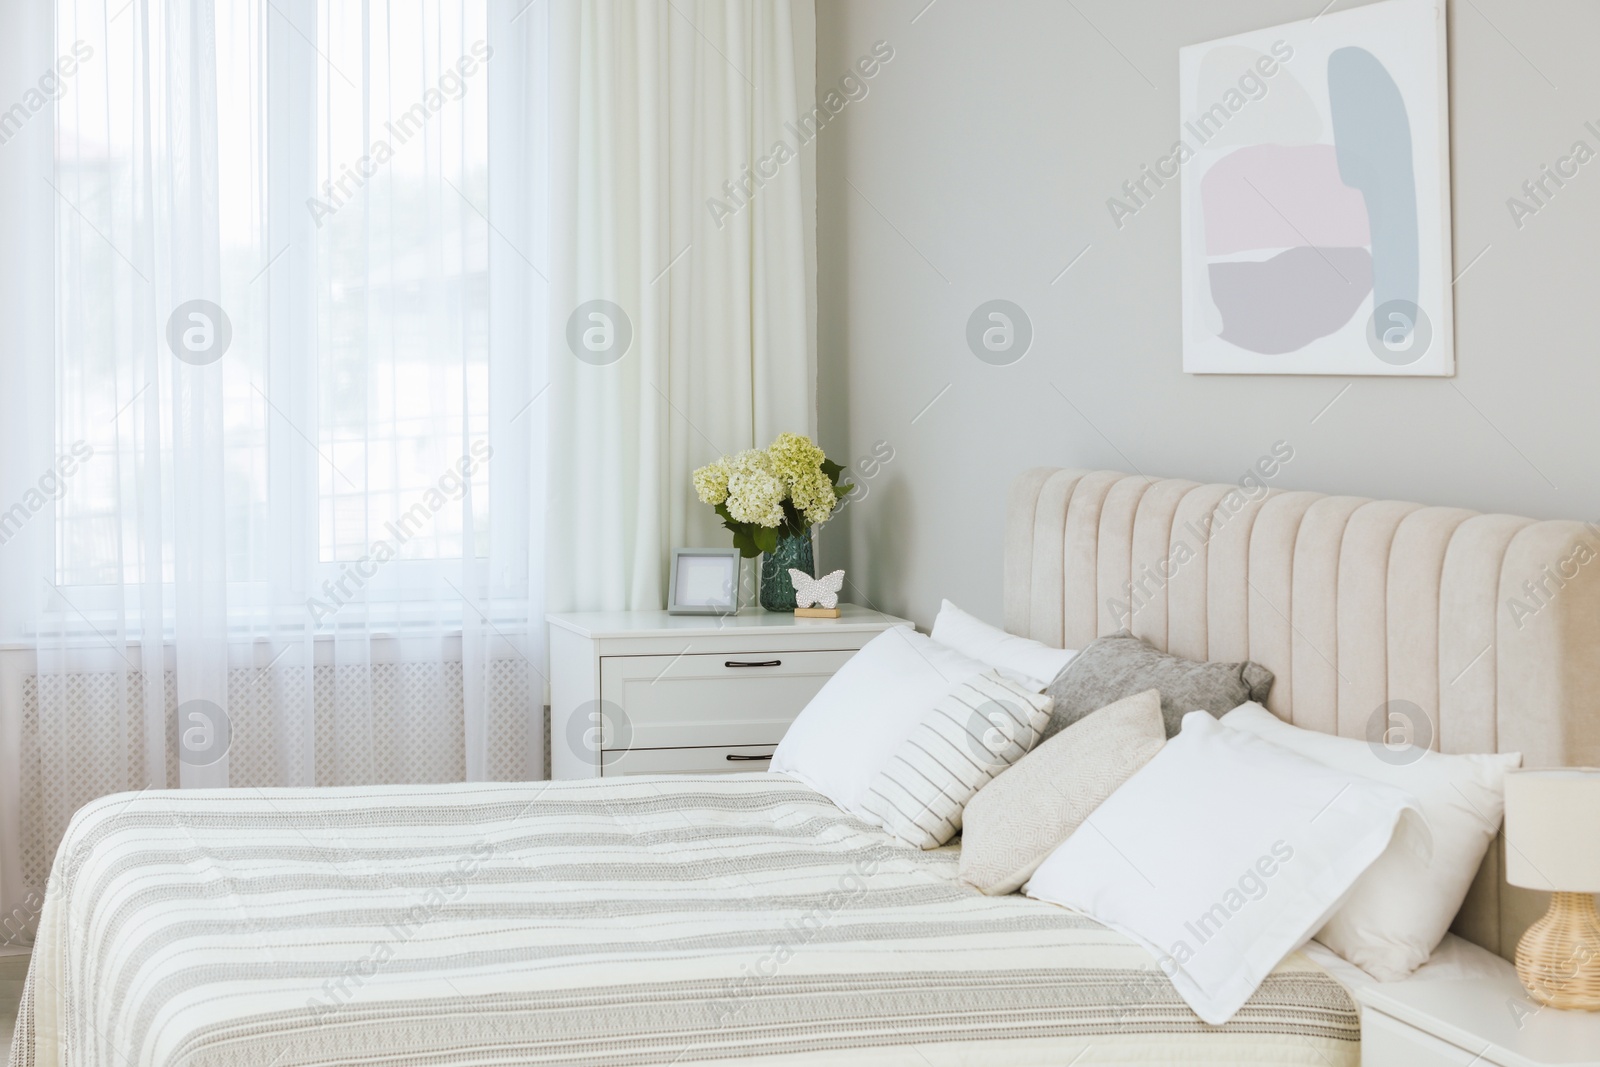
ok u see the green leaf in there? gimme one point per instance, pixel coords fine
(766, 538)
(745, 543)
(832, 470)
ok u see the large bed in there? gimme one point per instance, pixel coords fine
(619, 921)
(660, 920)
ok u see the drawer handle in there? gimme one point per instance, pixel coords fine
(734, 757)
(752, 663)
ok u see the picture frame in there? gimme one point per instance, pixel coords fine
(1314, 160)
(704, 581)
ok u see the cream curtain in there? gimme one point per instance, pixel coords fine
(682, 201)
(295, 259)
(200, 599)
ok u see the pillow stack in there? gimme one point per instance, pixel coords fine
(1223, 855)
(1156, 795)
(1402, 906)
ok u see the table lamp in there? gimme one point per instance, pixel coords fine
(1553, 843)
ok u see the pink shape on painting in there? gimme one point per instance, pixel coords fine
(1281, 196)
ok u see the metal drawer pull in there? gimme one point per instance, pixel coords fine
(749, 663)
(736, 758)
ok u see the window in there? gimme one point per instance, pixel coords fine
(334, 212)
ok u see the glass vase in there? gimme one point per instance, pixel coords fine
(777, 589)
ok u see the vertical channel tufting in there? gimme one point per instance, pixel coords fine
(1021, 506)
(1114, 544)
(1363, 624)
(1152, 558)
(1228, 575)
(1314, 610)
(1488, 623)
(1272, 539)
(1416, 568)
(1469, 591)
(1547, 628)
(1081, 557)
(1047, 588)
(1187, 607)
(1548, 646)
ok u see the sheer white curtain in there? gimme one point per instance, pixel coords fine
(299, 318)
(674, 204)
(318, 445)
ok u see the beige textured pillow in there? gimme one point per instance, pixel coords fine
(1019, 818)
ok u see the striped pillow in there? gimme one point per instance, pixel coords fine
(975, 731)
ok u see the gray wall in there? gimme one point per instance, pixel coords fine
(979, 164)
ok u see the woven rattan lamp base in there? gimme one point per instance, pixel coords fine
(1558, 958)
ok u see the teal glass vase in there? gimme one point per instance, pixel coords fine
(777, 589)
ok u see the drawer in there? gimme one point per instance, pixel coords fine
(686, 760)
(704, 701)
(1388, 1042)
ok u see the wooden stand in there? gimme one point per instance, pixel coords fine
(1558, 959)
(816, 613)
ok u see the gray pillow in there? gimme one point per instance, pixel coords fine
(1121, 665)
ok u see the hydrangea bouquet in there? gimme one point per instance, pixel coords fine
(764, 493)
(770, 498)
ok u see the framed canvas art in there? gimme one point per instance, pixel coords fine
(1316, 196)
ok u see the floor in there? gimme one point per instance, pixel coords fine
(13, 969)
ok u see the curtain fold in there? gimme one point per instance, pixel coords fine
(298, 264)
(368, 331)
(679, 201)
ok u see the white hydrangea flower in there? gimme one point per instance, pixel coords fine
(756, 484)
(814, 497)
(756, 496)
(711, 482)
(795, 459)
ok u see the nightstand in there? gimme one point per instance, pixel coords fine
(644, 692)
(1481, 1022)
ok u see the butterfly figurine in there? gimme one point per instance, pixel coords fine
(816, 592)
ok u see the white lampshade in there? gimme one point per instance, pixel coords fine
(1553, 829)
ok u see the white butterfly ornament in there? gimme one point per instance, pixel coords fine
(816, 592)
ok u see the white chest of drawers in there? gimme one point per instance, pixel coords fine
(644, 692)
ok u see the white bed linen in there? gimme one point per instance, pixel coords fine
(605, 923)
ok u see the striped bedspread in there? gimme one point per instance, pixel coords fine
(669, 920)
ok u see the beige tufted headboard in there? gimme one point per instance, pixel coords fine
(1481, 630)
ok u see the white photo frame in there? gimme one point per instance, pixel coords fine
(704, 581)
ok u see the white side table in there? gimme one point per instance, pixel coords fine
(1481, 1022)
(644, 692)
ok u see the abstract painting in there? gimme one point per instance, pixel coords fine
(1316, 196)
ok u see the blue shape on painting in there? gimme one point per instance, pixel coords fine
(1372, 141)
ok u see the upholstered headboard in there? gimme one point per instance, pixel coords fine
(1478, 633)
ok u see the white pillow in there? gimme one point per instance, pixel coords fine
(1222, 855)
(861, 716)
(973, 732)
(1017, 657)
(1400, 909)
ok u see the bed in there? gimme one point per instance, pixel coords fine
(660, 920)
(625, 921)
